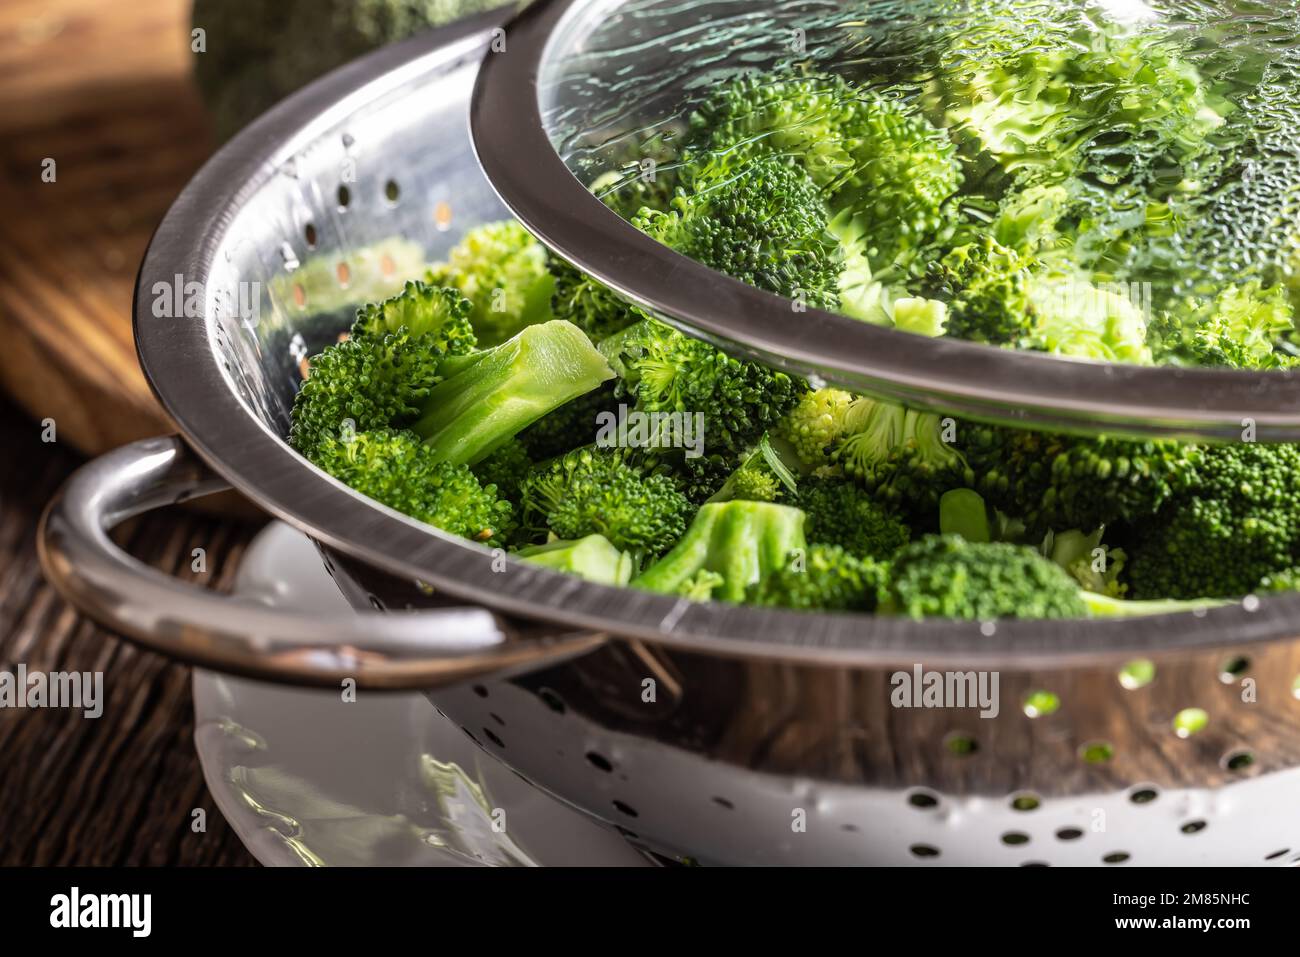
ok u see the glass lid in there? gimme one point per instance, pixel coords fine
(1077, 214)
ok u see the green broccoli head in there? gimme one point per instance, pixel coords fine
(360, 384)
(738, 544)
(903, 177)
(815, 424)
(986, 286)
(596, 491)
(944, 576)
(1245, 326)
(398, 470)
(1236, 525)
(900, 455)
(439, 312)
(1057, 481)
(502, 270)
(788, 116)
(826, 578)
(506, 468)
(381, 375)
(841, 513)
(765, 223)
(667, 372)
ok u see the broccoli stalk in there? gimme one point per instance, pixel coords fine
(593, 557)
(741, 542)
(488, 397)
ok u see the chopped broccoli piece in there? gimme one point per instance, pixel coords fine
(505, 468)
(945, 576)
(1059, 481)
(595, 491)
(1238, 523)
(668, 373)
(422, 310)
(765, 223)
(815, 424)
(488, 397)
(899, 454)
(405, 474)
(827, 578)
(841, 513)
(502, 270)
(593, 557)
(594, 308)
(742, 542)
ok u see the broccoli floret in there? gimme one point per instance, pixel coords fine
(1073, 317)
(463, 406)
(740, 542)
(1058, 481)
(827, 578)
(591, 306)
(382, 373)
(903, 176)
(1241, 328)
(594, 558)
(765, 223)
(815, 424)
(422, 310)
(506, 468)
(666, 372)
(405, 474)
(1286, 579)
(765, 475)
(877, 156)
(502, 270)
(596, 491)
(752, 115)
(843, 514)
(1095, 566)
(899, 454)
(986, 286)
(945, 576)
(1237, 524)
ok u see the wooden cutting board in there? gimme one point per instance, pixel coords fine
(103, 90)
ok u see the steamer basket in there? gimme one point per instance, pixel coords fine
(722, 734)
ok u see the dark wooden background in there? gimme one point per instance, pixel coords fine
(118, 789)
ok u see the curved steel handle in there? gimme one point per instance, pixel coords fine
(380, 650)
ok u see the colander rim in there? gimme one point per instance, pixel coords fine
(184, 371)
(944, 374)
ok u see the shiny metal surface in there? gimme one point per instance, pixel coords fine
(568, 53)
(750, 716)
(405, 650)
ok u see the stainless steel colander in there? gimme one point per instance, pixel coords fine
(590, 89)
(726, 734)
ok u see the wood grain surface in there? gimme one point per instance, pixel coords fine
(119, 789)
(104, 90)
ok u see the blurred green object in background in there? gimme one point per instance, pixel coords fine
(256, 52)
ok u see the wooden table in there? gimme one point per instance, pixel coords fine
(104, 90)
(118, 789)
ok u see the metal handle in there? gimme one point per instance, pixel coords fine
(379, 650)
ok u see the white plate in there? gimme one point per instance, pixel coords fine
(307, 778)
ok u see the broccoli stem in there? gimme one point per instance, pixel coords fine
(1103, 606)
(488, 397)
(741, 541)
(962, 512)
(594, 558)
